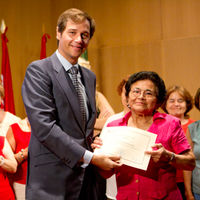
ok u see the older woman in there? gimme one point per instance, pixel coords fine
(145, 92)
(7, 164)
(178, 103)
(192, 179)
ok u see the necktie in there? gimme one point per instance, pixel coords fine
(74, 72)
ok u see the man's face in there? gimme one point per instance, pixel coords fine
(74, 40)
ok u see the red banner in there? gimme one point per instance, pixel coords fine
(43, 45)
(6, 76)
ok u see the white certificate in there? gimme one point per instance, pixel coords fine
(129, 143)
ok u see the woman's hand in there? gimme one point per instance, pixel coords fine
(160, 154)
(97, 143)
(184, 160)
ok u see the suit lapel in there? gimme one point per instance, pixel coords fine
(67, 86)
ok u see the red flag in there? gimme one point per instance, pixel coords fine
(43, 45)
(6, 76)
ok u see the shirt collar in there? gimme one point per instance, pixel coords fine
(65, 63)
(157, 115)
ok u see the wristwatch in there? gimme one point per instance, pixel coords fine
(172, 158)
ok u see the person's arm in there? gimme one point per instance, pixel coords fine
(105, 112)
(8, 162)
(180, 155)
(23, 153)
(11, 139)
(187, 175)
(160, 155)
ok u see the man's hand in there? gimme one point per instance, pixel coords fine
(106, 162)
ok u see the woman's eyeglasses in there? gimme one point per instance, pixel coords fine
(145, 93)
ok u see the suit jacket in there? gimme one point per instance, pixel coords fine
(58, 139)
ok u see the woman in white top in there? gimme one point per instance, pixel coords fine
(6, 118)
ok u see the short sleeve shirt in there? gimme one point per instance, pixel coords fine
(156, 182)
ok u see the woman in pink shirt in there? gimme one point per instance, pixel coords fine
(145, 92)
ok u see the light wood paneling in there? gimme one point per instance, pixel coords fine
(131, 35)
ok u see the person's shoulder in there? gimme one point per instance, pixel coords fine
(190, 121)
(120, 121)
(194, 124)
(12, 118)
(114, 117)
(115, 122)
(43, 62)
(101, 98)
(165, 117)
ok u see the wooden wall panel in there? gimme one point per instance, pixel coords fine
(181, 65)
(131, 35)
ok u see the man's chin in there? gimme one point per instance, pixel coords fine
(77, 54)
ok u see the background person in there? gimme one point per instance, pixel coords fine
(104, 111)
(145, 92)
(6, 118)
(178, 103)
(192, 179)
(18, 137)
(55, 90)
(7, 164)
(103, 107)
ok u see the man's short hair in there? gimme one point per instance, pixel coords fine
(76, 16)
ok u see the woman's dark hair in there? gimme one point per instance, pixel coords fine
(152, 76)
(196, 99)
(184, 93)
(121, 85)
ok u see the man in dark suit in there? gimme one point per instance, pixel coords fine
(61, 162)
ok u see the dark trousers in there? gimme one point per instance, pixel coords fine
(94, 186)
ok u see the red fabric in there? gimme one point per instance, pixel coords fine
(6, 76)
(1, 145)
(185, 126)
(43, 45)
(6, 192)
(22, 139)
